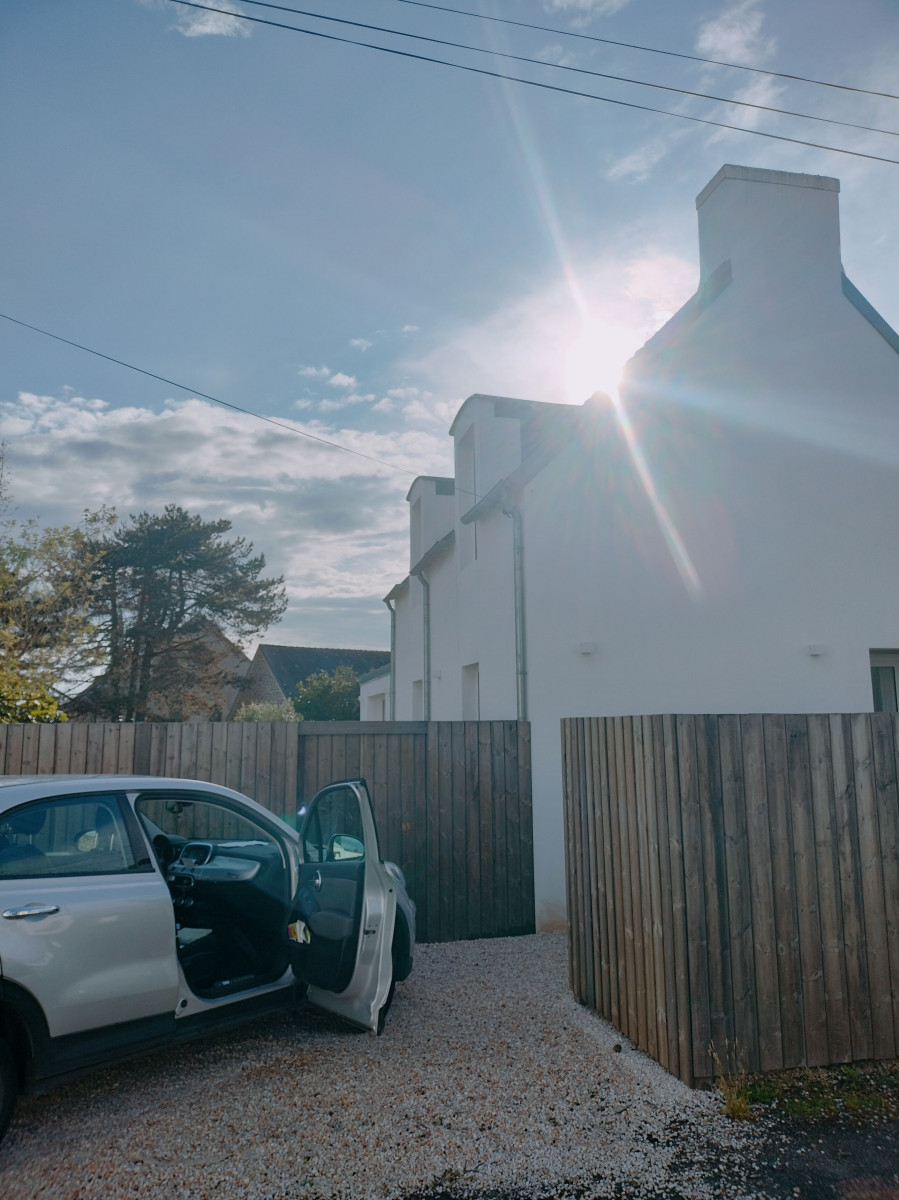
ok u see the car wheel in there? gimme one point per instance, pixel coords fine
(9, 1084)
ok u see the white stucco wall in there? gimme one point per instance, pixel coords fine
(724, 542)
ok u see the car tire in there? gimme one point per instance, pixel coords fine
(9, 1084)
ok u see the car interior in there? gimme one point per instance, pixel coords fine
(229, 883)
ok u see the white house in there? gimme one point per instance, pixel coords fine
(725, 538)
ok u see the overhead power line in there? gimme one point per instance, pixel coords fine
(539, 62)
(247, 412)
(589, 37)
(547, 87)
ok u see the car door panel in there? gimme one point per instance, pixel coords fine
(106, 955)
(87, 923)
(340, 917)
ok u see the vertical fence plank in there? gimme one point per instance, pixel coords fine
(472, 830)
(785, 921)
(659, 1011)
(525, 826)
(739, 904)
(623, 891)
(609, 957)
(648, 1029)
(850, 888)
(883, 727)
(872, 888)
(805, 877)
(597, 889)
(488, 855)
(830, 910)
(711, 817)
(572, 864)
(694, 895)
(762, 892)
(667, 893)
(459, 838)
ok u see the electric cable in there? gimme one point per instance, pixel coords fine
(247, 412)
(548, 87)
(590, 37)
(538, 62)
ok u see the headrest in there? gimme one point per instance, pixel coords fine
(26, 821)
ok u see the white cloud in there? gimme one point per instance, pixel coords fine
(314, 372)
(193, 23)
(339, 380)
(403, 393)
(409, 329)
(334, 523)
(637, 165)
(585, 10)
(735, 35)
(345, 402)
(361, 344)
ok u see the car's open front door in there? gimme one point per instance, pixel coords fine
(344, 910)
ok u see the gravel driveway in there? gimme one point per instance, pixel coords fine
(490, 1080)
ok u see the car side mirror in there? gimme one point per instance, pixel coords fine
(342, 847)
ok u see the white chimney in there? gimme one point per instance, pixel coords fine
(777, 228)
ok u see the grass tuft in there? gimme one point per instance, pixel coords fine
(733, 1081)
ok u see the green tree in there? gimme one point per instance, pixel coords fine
(329, 696)
(48, 642)
(166, 588)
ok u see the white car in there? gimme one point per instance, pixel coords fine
(138, 911)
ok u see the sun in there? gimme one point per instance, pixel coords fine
(595, 358)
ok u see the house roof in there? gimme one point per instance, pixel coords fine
(290, 665)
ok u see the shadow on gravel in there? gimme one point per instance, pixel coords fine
(789, 1160)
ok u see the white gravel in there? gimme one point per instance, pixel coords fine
(489, 1079)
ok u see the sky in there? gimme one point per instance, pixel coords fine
(348, 242)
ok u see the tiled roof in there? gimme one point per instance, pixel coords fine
(290, 665)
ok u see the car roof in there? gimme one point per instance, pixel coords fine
(19, 789)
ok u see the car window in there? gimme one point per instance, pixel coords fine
(333, 831)
(196, 818)
(69, 835)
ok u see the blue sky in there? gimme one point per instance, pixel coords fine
(353, 243)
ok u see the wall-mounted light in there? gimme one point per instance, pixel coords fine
(816, 651)
(587, 648)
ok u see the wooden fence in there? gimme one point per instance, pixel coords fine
(734, 880)
(452, 799)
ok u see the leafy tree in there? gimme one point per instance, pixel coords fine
(166, 588)
(48, 643)
(329, 696)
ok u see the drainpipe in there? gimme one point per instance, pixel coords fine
(521, 667)
(392, 612)
(426, 623)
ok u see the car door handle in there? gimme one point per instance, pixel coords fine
(30, 910)
(317, 880)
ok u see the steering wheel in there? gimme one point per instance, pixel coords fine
(165, 851)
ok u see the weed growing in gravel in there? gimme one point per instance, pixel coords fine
(862, 1091)
(733, 1081)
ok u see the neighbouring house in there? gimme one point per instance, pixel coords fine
(275, 671)
(722, 538)
(215, 665)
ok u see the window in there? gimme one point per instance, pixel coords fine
(376, 707)
(79, 835)
(884, 672)
(333, 830)
(418, 700)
